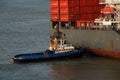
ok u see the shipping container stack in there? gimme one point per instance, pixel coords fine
(75, 11)
(89, 11)
(54, 5)
(64, 10)
(69, 10)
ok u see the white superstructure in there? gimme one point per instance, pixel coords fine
(111, 15)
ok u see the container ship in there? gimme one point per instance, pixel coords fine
(92, 24)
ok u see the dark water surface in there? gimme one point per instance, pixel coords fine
(24, 28)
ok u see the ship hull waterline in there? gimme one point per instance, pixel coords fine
(105, 53)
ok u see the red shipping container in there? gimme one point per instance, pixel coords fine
(101, 7)
(69, 3)
(92, 2)
(83, 17)
(76, 3)
(77, 10)
(54, 3)
(98, 9)
(66, 18)
(89, 3)
(55, 17)
(89, 9)
(66, 3)
(97, 2)
(82, 3)
(86, 17)
(67, 11)
(81, 23)
(71, 10)
(54, 10)
(94, 9)
(78, 24)
(89, 16)
(93, 17)
(83, 10)
(77, 17)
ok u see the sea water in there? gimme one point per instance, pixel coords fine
(24, 28)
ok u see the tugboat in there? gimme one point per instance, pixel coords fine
(58, 49)
(62, 50)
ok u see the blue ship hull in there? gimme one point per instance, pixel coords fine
(47, 55)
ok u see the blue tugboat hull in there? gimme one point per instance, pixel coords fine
(50, 55)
